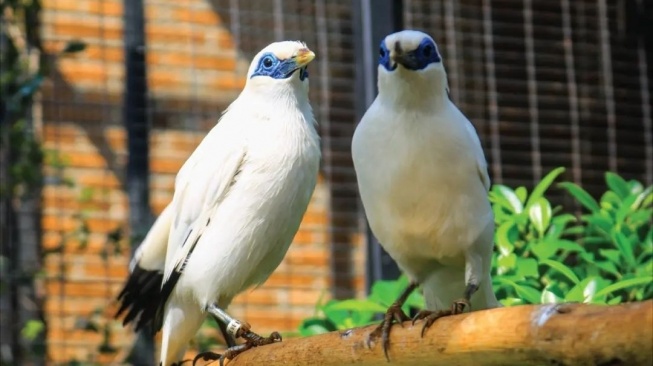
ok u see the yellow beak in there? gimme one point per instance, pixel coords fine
(303, 57)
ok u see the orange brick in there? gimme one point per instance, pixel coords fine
(307, 257)
(259, 296)
(303, 237)
(222, 83)
(58, 223)
(225, 40)
(111, 270)
(106, 8)
(73, 306)
(163, 79)
(87, 289)
(303, 297)
(87, 160)
(103, 225)
(165, 165)
(315, 218)
(116, 137)
(104, 53)
(294, 280)
(77, 29)
(100, 179)
(166, 34)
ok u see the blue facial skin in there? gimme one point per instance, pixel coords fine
(270, 65)
(425, 54)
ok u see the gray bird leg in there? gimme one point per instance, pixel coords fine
(395, 313)
(234, 328)
(457, 307)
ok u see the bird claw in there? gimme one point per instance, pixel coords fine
(208, 356)
(251, 340)
(457, 307)
(395, 313)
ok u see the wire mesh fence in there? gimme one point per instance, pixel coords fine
(547, 84)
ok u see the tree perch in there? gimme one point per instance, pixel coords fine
(564, 334)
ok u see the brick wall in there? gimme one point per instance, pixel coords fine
(194, 71)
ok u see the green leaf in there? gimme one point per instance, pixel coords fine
(644, 198)
(562, 268)
(626, 248)
(610, 201)
(549, 297)
(507, 198)
(583, 291)
(617, 184)
(559, 225)
(528, 293)
(525, 292)
(640, 217)
(505, 235)
(356, 305)
(527, 267)
(548, 247)
(32, 329)
(540, 215)
(511, 301)
(581, 195)
(506, 263)
(543, 185)
(313, 326)
(608, 267)
(521, 193)
(624, 284)
(543, 249)
(625, 209)
(612, 255)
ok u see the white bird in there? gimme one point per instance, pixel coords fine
(238, 203)
(423, 182)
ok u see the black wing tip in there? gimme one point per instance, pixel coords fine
(140, 298)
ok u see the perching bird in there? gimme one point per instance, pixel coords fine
(238, 203)
(423, 181)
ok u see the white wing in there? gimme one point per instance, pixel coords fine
(481, 163)
(201, 184)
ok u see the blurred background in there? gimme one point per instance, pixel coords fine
(103, 100)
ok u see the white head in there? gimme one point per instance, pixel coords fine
(280, 68)
(410, 60)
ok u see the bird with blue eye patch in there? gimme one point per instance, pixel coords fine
(423, 181)
(271, 65)
(424, 54)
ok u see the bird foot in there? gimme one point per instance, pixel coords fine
(395, 313)
(251, 340)
(430, 316)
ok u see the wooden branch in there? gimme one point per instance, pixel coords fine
(569, 334)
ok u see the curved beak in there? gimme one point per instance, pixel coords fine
(407, 60)
(303, 57)
(402, 57)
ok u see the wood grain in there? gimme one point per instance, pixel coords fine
(564, 334)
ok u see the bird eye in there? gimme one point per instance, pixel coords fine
(427, 51)
(267, 62)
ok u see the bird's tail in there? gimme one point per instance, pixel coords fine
(140, 297)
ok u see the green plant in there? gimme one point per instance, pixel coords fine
(345, 314)
(617, 236)
(543, 254)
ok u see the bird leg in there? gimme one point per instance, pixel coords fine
(235, 329)
(395, 313)
(457, 307)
